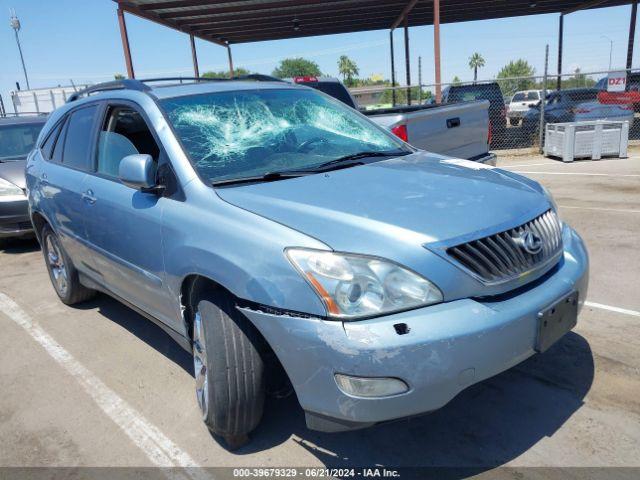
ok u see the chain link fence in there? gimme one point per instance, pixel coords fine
(517, 113)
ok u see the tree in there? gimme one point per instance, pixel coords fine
(476, 61)
(118, 76)
(297, 67)
(456, 81)
(237, 72)
(517, 75)
(348, 69)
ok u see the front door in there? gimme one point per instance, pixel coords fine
(124, 225)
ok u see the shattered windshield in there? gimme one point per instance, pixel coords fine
(239, 134)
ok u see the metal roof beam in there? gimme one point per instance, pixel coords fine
(134, 10)
(583, 6)
(403, 14)
(257, 7)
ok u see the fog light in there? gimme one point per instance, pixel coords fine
(370, 387)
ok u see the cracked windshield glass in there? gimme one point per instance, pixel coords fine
(240, 134)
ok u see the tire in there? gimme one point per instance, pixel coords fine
(229, 370)
(63, 275)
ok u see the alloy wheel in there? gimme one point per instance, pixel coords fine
(57, 266)
(200, 365)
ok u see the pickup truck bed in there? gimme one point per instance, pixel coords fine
(457, 130)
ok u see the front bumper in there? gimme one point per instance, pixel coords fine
(516, 113)
(448, 347)
(14, 216)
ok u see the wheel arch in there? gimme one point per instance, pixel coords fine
(192, 288)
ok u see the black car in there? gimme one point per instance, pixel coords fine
(18, 135)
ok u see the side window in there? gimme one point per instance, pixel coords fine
(124, 132)
(77, 143)
(49, 143)
(59, 143)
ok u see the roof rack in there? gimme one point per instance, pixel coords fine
(106, 86)
(140, 85)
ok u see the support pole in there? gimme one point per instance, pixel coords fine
(436, 48)
(393, 70)
(231, 74)
(560, 40)
(632, 33)
(125, 43)
(420, 79)
(407, 61)
(543, 101)
(194, 56)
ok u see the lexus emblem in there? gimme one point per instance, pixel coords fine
(529, 242)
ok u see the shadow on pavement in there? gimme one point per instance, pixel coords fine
(19, 245)
(485, 426)
(142, 328)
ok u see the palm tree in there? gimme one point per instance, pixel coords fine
(348, 69)
(476, 61)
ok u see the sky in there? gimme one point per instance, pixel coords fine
(64, 40)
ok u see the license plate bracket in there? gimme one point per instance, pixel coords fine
(556, 320)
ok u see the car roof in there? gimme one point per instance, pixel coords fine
(23, 120)
(184, 89)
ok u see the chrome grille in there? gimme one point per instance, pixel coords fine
(505, 255)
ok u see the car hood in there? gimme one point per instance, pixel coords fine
(13, 171)
(418, 198)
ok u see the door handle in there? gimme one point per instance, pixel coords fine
(453, 122)
(88, 197)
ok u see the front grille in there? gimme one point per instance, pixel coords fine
(506, 255)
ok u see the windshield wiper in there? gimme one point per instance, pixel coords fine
(266, 177)
(343, 162)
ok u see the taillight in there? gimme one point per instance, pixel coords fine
(489, 134)
(400, 131)
(305, 78)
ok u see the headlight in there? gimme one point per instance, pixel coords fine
(8, 188)
(358, 286)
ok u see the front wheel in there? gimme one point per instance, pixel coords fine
(229, 371)
(63, 275)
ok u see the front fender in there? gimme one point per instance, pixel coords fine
(239, 250)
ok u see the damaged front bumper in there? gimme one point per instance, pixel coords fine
(446, 348)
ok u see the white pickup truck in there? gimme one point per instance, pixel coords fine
(460, 130)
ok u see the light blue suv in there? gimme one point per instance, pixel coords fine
(269, 228)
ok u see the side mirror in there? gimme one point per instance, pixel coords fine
(138, 171)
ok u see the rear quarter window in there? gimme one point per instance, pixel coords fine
(79, 138)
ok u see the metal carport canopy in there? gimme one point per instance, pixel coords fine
(233, 21)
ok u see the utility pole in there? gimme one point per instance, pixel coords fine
(610, 48)
(15, 24)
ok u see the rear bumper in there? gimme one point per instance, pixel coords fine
(448, 347)
(14, 216)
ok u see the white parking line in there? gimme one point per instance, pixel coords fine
(620, 210)
(160, 450)
(583, 173)
(633, 313)
(516, 165)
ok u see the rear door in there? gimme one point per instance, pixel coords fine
(62, 180)
(124, 225)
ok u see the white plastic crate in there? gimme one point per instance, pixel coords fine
(594, 140)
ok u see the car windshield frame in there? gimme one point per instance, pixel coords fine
(396, 146)
(20, 125)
